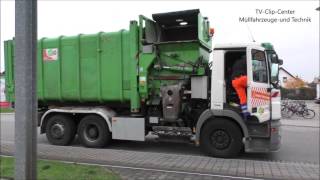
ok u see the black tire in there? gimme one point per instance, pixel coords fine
(60, 129)
(221, 138)
(93, 132)
(308, 113)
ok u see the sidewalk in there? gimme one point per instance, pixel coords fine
(174, 162)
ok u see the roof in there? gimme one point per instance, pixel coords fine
(281, 68)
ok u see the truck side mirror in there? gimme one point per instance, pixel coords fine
(274, 58)
(280, 61)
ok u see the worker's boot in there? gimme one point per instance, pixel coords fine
(245, 112)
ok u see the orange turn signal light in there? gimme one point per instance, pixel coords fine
(211, 31)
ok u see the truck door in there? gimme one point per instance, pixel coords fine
(258, 83)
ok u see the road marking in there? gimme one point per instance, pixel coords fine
(152, 169)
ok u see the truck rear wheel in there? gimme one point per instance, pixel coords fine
(93, 132)
(60, 129)
(221, 138)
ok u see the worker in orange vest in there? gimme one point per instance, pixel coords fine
(239, 83)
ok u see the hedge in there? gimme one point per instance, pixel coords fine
(303, 93)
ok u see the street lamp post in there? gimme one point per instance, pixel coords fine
(25, 89)
(318, 82)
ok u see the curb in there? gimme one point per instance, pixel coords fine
(300, 126)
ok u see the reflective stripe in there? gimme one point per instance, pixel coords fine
(243, 107)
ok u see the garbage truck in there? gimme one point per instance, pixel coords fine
(155, 77)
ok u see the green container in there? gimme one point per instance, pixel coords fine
(83, 68)
(110, 67)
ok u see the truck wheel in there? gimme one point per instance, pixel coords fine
(60, 129)
(221, 138)
(93, 132)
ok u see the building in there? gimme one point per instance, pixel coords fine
(284, 76)
(317, 82)
(296, 88)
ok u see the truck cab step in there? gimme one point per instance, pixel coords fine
(172, 131)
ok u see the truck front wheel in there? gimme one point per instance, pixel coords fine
(93, 132)
(221, 138)
(60, 129)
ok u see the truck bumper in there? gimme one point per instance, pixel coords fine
(268, 144)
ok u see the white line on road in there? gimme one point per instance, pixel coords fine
(151, 169)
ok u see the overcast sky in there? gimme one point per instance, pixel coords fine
(296, 43)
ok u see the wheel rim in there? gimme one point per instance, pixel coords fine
(91, 132)
(57, 130)
(220, 139)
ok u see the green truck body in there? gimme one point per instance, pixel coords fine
(117, 67)
(154, 77)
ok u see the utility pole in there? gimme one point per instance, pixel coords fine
(318, 78)
(25, 89)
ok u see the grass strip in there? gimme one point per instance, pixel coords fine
(6, 110)
(54, 170)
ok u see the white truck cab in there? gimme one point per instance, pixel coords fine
(260, 88)
(261, 132)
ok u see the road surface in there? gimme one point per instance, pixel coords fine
(299, 144)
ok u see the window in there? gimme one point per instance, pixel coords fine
(259, 66)
(284, 79)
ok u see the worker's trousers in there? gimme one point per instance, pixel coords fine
(240, 85)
